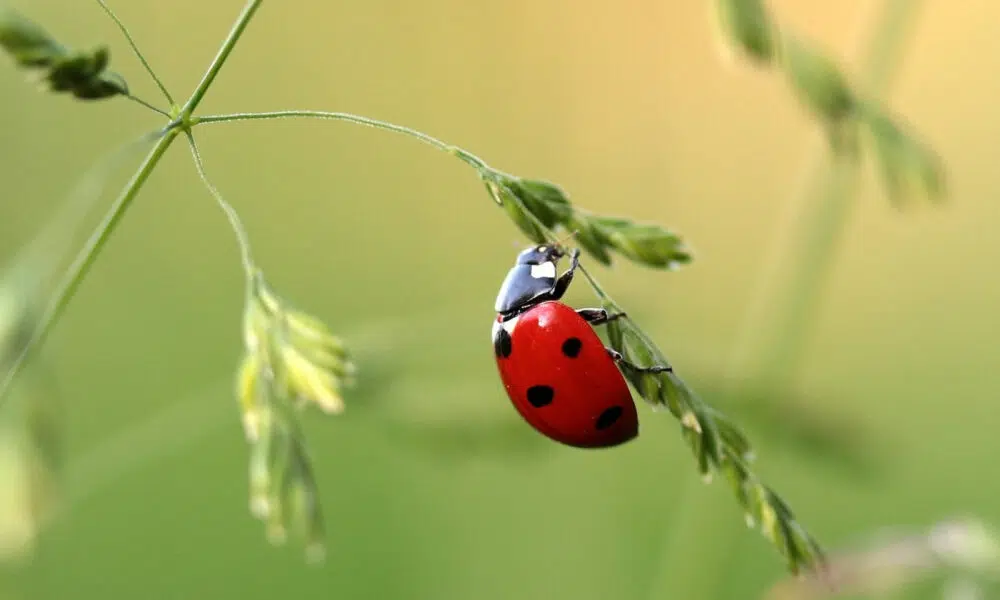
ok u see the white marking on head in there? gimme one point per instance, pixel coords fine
(546, 270)
(509, 325)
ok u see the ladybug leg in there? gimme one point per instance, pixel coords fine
(598, 316)
(566, 278)
(618, 358)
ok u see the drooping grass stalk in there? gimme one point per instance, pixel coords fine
(468, 157)
(88, 255)
(792, 298)
(246, 255)
(783, 313)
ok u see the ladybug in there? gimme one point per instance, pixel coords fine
(559, 375)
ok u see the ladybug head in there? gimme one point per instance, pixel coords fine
(539, 255)
(532, 276)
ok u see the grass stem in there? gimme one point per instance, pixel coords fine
(234, 219)
(779, 324)
(88, 255)
(795, 289)
(137, 52)
(85, 259)
(220, 58)
(145, 104)
(465, 156)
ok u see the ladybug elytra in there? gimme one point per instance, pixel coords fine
(559, 375)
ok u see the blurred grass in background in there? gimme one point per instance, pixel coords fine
(433, 487)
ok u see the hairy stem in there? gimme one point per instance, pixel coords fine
(220, 58)
(234, 219)
(138, 53)
(142, 102)
(468, 157)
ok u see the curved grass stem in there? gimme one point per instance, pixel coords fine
(463, 155)
(234, 219)
(138, 54)
(718, 445)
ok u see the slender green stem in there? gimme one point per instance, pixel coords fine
(142, 102)
(234, 219)
(138, 53)
(883, 53)
(468, 157)
(87, 256)
(85, 259)
(795, 292)
(783, 313)
(598, 290)
(683, 546)
(220, 58)
(53, 241)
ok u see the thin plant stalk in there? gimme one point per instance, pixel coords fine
(242, 239)
(86, 258)
(798, 275)
(55, 238)
(793, 296)
(145, 104)
(801, 263)
(465, 156)
(220, 58)
(138, 53)
(80, 267)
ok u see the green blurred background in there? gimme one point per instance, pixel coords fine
(432, 486)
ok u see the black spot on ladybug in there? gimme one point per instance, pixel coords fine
(540, 395)
(571, 347)
(608, 417)
(502, 344)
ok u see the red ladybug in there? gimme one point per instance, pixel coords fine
(557, 371)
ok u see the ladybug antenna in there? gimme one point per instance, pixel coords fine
(559, 242)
